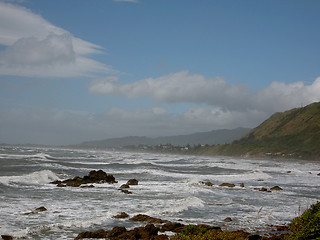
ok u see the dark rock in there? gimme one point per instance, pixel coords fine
(93, 177)
(146, 218)
(132, 182)
(41, 209)
(37, 210)
(116, 231)
(87, 186)
(6, 237)
(227, 185)
(228, 219)
(96, 234)
(254, 237)
(172, 227)
(126, 191)
(242, 185)
(124, 186)
(318, 174)
(288, 171)
(276, 188)
(263, 189)
(121, 215)
(100, 177)
(207, 183)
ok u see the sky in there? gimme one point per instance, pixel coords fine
(81, 70)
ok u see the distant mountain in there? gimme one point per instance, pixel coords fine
(294, 133)
(213, 137)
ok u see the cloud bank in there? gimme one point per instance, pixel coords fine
(36, 48)
(185, 87)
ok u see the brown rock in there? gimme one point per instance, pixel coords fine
(228, 219)
(276, 188)
(207, 183)
(132, 182)
(6, 237)
(124, 186)
(227, 185)
(242, 185)
(121, 215)
(126, 191)
(172, 227)
(116, 231)
(96, 234)
(146, 218)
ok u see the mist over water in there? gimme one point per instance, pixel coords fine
(169, 188)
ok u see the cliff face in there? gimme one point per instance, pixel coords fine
(294, 133)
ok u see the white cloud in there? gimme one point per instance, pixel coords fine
(36, 48)
(195, 88)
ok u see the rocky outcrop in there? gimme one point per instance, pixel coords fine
(144, 233)
(93, 177)
(146, 218)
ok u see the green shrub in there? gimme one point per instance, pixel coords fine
(307, 226)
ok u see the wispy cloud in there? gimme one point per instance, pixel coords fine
(36, 48)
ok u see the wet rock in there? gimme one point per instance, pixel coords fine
(207, 183)
(6, 237)
(126, 191)
(242, 185)
(121, 215)
(228, 219)
(37, 210)
(93, 177)
(227, 185)
(318, 174)
(124, 186)
(116, 231)
(96, 234)
(172, 227)
(146, 218)
(276, 188)
(87, 186)
(133, 182)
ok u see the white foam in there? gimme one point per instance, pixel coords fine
(39, 177)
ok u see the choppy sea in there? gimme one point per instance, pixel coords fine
(169, 188)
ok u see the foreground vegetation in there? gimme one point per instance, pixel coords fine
(305, 227)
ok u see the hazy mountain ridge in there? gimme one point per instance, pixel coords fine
(293, 133)
(213, 137)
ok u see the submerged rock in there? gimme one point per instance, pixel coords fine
(227, 185)
(207, 183)
(228, 219)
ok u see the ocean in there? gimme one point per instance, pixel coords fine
(170, 187)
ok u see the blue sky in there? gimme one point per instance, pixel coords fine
(79, 70)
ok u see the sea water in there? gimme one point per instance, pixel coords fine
(169, 188)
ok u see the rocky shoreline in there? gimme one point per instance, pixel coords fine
(156, 228)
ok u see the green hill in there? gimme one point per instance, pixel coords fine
(294, 133)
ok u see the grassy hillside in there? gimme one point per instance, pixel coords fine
(294, 133)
